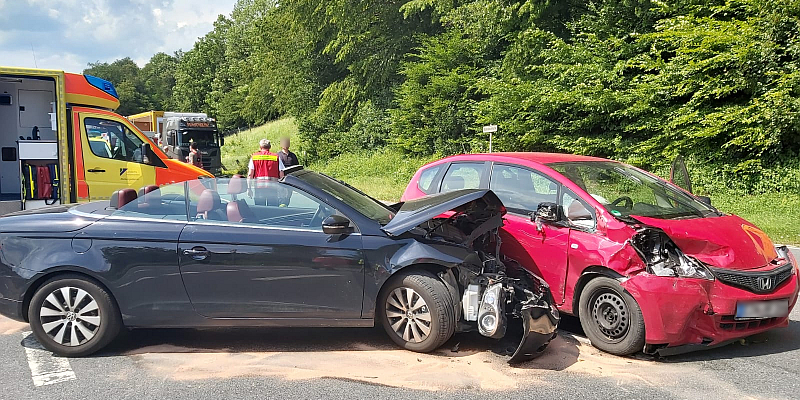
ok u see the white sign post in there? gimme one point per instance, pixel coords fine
(490, 129)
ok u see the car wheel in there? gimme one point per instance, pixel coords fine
(73, 317)
(416, 310)
(611, 318)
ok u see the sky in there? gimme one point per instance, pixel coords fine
(69, 34)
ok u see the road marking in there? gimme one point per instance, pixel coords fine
(46, 369)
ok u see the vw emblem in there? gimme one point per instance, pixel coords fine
(764, 283)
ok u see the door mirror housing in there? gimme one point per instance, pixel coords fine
(336, 225)
(546, 212)
(221, 140)
(147, 154)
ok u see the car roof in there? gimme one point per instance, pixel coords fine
(541, 158)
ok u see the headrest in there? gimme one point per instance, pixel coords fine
(147, 189)
(234, 215)
(209, 200)
(454, 182)
(239, 211)
(122, 197)
(237, 185)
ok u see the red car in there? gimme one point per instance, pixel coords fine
(645, 265)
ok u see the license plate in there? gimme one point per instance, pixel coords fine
(762, 309)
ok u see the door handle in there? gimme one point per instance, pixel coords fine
(95, 170)
(197, 253)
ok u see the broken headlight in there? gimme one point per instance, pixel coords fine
(491, 315)
(664, 258)
(685, 267)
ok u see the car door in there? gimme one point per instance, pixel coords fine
(679, 174)
(275, 264)
(111, 154)
(541, 249)
(138, 245)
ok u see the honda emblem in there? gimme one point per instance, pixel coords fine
(764, 283)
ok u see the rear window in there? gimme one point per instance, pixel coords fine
(426, 179)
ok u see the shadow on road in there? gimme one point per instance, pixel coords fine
(776, 341)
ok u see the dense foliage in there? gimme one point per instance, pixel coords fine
(637, 80)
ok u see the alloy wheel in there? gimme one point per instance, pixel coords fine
(408, 315)
(70, 316)
(611, 316)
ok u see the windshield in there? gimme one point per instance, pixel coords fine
(203, 138)
(624, 190)
(349, 195)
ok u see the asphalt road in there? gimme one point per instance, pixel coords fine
(362, 363)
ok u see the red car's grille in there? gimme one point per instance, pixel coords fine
(729, 323)
(756, 282)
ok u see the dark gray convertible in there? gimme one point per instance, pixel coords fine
(320, 253)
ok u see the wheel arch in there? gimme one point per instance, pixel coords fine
(69, 270)
(587, 275)
(434, 269)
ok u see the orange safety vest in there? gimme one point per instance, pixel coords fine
(265, 165)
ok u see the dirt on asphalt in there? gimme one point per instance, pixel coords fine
(9, 327)
(473, 366)
(367, 356)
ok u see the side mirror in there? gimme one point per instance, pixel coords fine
(546, 212)
(705, 200)
(336, 225)
(221, 141)
(147, 153)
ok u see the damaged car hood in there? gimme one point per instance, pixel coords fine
(415, 212)
(723, 242)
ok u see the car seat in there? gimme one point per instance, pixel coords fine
(453, 183)
(120, 198)
(209, 206)
(149, 199)
(238, 210)
(147, 189)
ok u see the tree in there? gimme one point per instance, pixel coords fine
(158, 79)
(124, 74)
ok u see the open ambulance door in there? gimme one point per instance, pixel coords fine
(109, 154)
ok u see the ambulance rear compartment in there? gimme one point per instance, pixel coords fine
(28, 107)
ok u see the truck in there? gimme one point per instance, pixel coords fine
(175, 131)
(65, 122)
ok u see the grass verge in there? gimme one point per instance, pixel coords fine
(777, 214)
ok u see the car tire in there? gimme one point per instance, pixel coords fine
(417, 326)
(73, 316)
(611, 318)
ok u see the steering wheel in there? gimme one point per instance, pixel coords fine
(628, 202)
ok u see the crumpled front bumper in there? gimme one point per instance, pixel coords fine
(682, 311)
(539, 324)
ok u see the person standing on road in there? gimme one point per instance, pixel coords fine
(264, 170)
(288, 159)
(194, 157)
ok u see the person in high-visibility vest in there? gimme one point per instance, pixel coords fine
(264, 170)
(195, 157)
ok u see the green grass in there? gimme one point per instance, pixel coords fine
(238, 148)
(777, 214)
(383, 174)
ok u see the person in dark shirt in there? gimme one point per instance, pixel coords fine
(287, 157)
